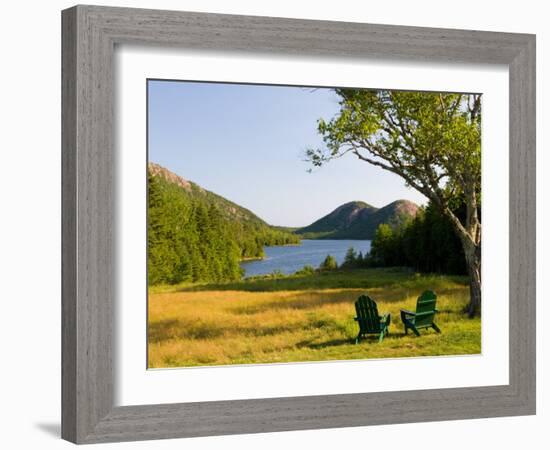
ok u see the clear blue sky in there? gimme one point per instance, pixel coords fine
(247, 143)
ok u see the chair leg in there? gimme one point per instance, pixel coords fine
(381, 337)
(415, 331)
(357, 339)
(436, 328)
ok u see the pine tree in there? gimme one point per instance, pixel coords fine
(329, 263)
(350, 260)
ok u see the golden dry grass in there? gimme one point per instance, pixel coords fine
(217, 327)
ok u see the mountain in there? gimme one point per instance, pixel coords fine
(196, 235)
(229, 210)
(357, 220)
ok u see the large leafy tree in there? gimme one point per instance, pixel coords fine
(431, 140)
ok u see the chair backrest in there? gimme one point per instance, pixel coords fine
(367, 314)
(425, 308)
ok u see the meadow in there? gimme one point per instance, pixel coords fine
(307, 317)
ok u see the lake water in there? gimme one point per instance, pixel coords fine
(289, 259)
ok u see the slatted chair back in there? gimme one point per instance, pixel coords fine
(367, 315)
(425, 309)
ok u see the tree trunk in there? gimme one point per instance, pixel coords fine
(473, 263)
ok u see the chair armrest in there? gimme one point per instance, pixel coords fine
(425, 313)
(385, 318)
(407, 316)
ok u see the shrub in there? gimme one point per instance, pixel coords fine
(306, 270)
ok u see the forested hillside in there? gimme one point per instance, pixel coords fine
(196, 235)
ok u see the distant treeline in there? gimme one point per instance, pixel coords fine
(426, 243)
(193, 237)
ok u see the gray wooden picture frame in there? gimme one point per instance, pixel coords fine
(90, 34)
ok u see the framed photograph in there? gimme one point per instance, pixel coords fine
(275, 224)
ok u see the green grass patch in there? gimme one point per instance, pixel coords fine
(302, 318)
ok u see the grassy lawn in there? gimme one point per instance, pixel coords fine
(308, 318)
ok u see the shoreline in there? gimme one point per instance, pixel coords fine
(261, 258)
(252, 258)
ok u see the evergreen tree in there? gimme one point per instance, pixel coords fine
(350, 260)
(329, 263)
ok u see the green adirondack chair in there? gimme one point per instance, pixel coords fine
(368, 319)
(424, 315)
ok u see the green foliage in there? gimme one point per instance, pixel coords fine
(351, 259)
(385, 248)
(329, 263)
(187, 240)
(429, 139)
(426, 243)
(305, 271)
(194, 235)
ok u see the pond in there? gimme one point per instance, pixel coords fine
(289, 259)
